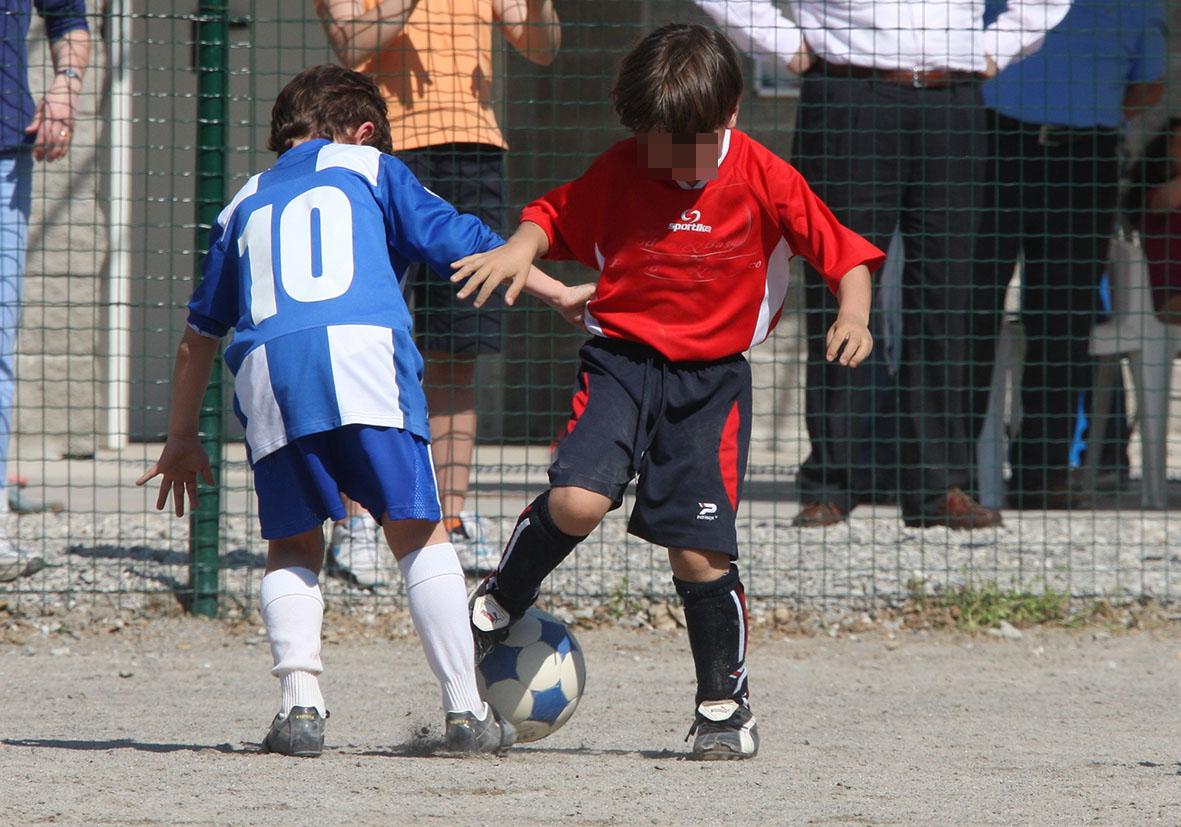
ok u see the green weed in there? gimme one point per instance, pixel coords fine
(987, 605)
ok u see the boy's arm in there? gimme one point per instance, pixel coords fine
(849, 337)
(357, 35)
(531, 26)
(569, 300)
(509, 262)
(182, 457)
(842, 257)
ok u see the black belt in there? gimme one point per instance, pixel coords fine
(915, 78)
(1051, 135)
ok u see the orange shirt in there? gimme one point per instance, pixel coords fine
(437, 76)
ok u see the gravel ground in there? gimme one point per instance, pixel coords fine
(111, 550)
(136, 560)
(158, 723)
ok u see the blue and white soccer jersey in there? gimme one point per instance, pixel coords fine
(305, 266)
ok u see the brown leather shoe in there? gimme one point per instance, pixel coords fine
(959, 512)
(819, 515)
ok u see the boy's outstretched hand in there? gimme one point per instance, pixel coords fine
(848, 340)
(509, 262)
(180, 462)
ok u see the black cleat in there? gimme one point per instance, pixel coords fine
(299, 733)
(725, 731)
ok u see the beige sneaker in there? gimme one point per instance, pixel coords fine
(354, 553)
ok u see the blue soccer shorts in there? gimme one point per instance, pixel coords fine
(387, 470)
(681, 428)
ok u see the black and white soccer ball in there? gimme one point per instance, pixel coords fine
(534, 678)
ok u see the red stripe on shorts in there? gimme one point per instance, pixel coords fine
(728, 456)
(578, 404)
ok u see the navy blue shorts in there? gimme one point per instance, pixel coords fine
(471, 177)
(682, 428)
(386, 470)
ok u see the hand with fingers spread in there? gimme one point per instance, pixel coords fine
(182, 457)
(486, 271)
(511, 262)
(181, 460)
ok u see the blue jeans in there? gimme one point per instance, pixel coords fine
(16, 187)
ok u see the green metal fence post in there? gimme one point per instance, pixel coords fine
(212, 47)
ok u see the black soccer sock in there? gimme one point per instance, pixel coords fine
(536, 548)
(715, 616)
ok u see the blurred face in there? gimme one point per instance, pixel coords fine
(680, 156)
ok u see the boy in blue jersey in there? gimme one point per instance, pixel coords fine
(304, 266)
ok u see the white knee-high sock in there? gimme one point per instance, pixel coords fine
(438, 607)
(293, 612)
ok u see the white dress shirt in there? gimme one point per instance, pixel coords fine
(890, 34)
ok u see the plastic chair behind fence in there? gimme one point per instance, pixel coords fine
(1134, 331)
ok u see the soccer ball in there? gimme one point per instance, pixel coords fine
(534, 678)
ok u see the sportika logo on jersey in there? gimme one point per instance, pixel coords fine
(691, 221)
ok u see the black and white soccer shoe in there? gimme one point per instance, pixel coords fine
(490, 620)
(299, 733)
(725, 731)
(468, 734)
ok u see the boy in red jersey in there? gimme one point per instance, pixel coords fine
(691, 225)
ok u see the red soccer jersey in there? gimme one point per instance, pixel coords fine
(696, 273)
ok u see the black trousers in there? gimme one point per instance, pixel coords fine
(884, 156)
(1050, 199)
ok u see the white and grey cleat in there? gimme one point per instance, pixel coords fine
(725, 731)
(468, 734)
(299, 733)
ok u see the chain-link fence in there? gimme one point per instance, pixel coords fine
(1056, 335)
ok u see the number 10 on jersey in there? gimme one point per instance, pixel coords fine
(315, 255)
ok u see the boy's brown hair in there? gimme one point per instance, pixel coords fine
(681, 78)
(326, 102)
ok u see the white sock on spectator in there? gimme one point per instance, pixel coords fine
(438, 606)
(293, 613)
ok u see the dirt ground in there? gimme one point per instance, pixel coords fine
(160, 724)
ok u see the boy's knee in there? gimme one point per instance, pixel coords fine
(700, 592)
(304, 551)
(577, 511)
(697, 566)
